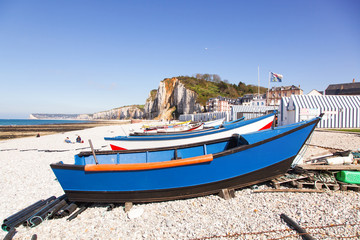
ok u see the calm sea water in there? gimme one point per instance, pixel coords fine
(7, 122)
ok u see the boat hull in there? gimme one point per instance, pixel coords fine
(260, 157)
(241, 181)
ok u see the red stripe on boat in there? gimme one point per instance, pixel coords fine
(113, 147)
(267, 126)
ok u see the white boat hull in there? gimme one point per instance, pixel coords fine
(141, 143)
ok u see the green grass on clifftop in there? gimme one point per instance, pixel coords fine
(208, 89)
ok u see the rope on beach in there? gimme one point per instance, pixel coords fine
(234, 235)
(330, 148)
(26, 150)
(64, 150)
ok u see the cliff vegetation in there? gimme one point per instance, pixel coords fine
(210, 85)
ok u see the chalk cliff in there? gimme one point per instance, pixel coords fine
(171, 98)
(128, 112)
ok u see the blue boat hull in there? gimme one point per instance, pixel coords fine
(158, 195)
(259, 157)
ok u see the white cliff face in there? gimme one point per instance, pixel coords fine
(120, 113)
(171, 95)
(185, 100)
(148, 108)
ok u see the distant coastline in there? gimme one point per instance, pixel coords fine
(57, 116)
(26, 122)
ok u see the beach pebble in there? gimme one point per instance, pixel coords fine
(135, 213)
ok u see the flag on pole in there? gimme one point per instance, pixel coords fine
(276, 77)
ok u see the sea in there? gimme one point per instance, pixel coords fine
(19, 122)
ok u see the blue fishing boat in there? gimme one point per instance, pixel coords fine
(179, 139)
(186, 171)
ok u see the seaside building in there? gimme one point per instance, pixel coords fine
(251, 100)
(274, 95)
(343, 89)
(219, 104)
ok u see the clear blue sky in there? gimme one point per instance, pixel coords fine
(88, 56)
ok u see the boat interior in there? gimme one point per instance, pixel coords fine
(157, 155)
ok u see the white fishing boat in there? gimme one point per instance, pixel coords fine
(179, 139)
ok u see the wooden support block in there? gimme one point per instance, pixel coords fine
(128, 206)
(299, 185)
(275, 184)
(294, 183)
(227, 193)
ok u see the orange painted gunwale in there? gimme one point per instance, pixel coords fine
(147, 166)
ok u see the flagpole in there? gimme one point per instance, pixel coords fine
(267, 95)
(258, 81)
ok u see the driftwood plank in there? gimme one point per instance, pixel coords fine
(330, 167)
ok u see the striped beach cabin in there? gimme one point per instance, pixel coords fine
(237, 111)
(339, 111)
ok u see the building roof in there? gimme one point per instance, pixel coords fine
(292, 87)
(343, 89)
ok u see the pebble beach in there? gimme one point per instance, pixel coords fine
(26, 177)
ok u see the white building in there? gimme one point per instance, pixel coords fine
(219, 104)
(315, 93)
